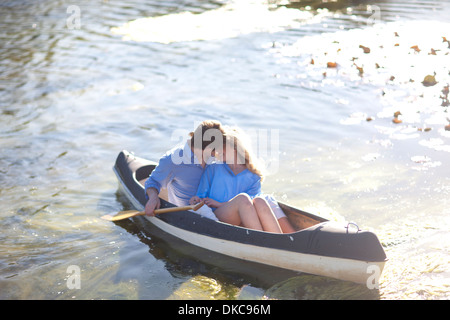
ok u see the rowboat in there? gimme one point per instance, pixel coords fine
(319, 246)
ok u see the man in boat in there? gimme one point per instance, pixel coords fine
(181, 168)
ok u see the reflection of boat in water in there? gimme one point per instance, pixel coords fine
(319, 247)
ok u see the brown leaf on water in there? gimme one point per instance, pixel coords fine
(365, 49)
(396, 34)
(429, 81)
(396, 119)
(377, 66)
(445, 90)
(332, 65)
(447, 127)
(433, 52)
(360, 70)
(416, 48)
(312, 61)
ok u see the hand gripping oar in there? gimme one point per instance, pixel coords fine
(133, 213)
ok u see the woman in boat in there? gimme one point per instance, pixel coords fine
(232, 188)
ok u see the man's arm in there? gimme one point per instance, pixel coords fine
(153, 201)
(159, 178)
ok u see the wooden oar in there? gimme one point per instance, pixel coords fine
(133, 213)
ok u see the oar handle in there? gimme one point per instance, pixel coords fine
(172, 209)
(128, 214)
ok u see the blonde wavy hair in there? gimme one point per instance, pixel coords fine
(240, 142)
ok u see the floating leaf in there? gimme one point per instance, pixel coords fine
(416, 48)
(361, 71)
(332, 65)
(396, 119)
(365, 49)
(429, 81)
(447, 127)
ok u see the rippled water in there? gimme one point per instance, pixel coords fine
(133, 73)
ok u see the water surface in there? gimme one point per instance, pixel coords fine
(129, 77)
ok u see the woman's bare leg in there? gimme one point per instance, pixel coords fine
(266, 216)
(239, 211)
(285, 225)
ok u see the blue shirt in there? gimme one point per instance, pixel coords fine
(179, 171)
(219, 183)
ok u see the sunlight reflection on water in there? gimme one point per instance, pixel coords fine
(231, 20)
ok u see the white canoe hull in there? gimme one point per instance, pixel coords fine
(363, 272)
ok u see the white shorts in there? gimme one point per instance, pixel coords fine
(206, 212)
(274, 206)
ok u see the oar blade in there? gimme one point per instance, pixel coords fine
(108, 217)
(122, 215)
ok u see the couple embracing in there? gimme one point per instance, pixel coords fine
(216, 167)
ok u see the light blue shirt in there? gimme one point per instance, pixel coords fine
(179, 171)
(219, 183)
